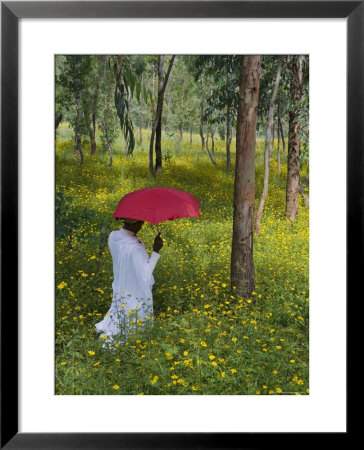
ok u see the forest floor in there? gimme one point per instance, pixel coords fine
(204, 339)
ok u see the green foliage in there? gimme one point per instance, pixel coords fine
(76, 78)
(207, 83)
(223, 73)
(124, 89)
(181, 111)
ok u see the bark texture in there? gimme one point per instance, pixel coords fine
(158, 133)
(269, 140)
(202, 126)
(279, 142)
(293, 163)
(281, 133)
(208, 151)
(242, 264)
(158, 118)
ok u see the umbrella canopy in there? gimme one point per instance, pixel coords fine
(157, 204)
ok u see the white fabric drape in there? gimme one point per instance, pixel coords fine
(132, 300)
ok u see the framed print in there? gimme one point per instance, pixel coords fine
(56, 268)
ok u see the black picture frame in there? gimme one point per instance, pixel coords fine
(11, 12)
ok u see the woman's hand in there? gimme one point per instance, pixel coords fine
(158, 243)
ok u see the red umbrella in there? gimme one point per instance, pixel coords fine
(157, 204)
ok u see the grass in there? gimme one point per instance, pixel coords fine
(205, 340)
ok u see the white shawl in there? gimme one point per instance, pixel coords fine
(132, 286)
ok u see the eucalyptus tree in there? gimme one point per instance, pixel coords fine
(74, 76)
(107, 120)
(95, 75)
(222, 103)
(157, 123)
(283, 107)
(59, 90)
(272, 67)
(143, 105)
(182, 103)
(127, 81)
(296, 65)
(242, 263)
(202, 95)
(303, 117)
(210, 132)
(279, 134)
(139, 110)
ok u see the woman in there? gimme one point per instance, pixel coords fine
(132, 302)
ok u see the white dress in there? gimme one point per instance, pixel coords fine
(132, 302)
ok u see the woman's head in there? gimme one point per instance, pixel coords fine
(132, 225)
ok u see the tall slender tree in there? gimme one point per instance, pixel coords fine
(293, 162)
(229, 100)
(242, 263)
(202, 112)
(97, 69)
(278, 141)
(162, 83)
(124, 86)
(269, 140)
(158, 132)
(107, 120)
(74, 77)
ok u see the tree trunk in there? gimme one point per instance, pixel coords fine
(158, 135)
(302, 190)
(140, 117)
(278, 144)
(202, 126)
(78, 149)
(304, 195)
(190, 137)
(109, 146)
(212, 143)
(242, 264)
(58, 120)
(158, 148)
(93, 135)
(158, 117)
(106, 127)
(126, 147)
(77, 143)
(281, 133)
(269, 141)
(293, 163)
(93, 114)
(208, 150)
(179, 140)
(81, 153)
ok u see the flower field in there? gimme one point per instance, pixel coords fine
(204, 339)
